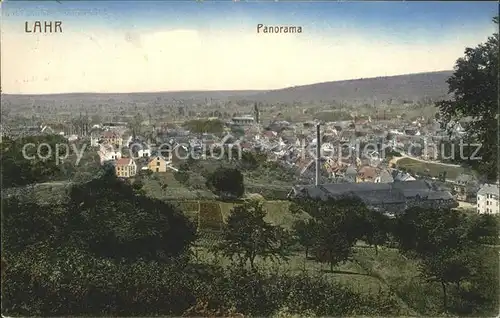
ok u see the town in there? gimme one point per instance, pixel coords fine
(293, 146)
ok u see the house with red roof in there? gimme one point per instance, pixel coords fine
(125, 168)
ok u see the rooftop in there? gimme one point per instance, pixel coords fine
(489, 189)
(375, 193)
(124, 162)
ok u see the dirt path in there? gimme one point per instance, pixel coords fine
(429, 162)
(466, 205)
(394, 160)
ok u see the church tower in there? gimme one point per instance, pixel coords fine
(256, 113)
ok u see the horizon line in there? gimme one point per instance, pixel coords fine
(223, 90)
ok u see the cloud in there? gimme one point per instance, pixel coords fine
(108, 60)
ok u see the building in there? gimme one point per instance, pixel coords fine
(114, 125)
(107, 153)
(159, 164)
(48, 130)
(125, 168)
(487, 199)
(243, 120)
(366, 174)
(465, 188)
(112, 138)
(402, 176)
(391, 198)
(94, 140)
(384, 177)
(144, 152)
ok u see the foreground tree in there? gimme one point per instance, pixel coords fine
(448, 266)
(474, 89)
(305, 230)
(247, 235)
(483, 228)
(425, 231)
(22, 165)
(376, 229)
(338, 225)
(446, 246)
(114, 219)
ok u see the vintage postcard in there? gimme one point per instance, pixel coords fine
(249, 158)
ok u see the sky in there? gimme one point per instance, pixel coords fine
(142, 46)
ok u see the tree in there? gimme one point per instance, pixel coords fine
(247, 235)
(27, 222)
(226, 182)
(200, 126)
(135, 124)
(483, 228)
(111, 218)
(447, 266)
(474, 87)
(249, 161)
(96, 119)
(237, 131)
(181, 176)
(164, 187)
(105, 218)
(445, 241)
(376, 229)
(425, 231)
(339, 225)
(20, 168)
(305, 230)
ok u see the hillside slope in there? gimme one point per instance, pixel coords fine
(411, 87)
(402, 87)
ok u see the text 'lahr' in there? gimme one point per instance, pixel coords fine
(43, 27)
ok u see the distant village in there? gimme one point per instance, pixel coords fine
(367, 172)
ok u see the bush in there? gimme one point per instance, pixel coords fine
(43, 281)
(106, 217)
(71, 282)
(263, 294)
(181, 176)
(226, 182)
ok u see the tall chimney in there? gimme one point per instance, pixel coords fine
(318, 152)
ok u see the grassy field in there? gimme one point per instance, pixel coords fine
(174, 189)
(277, 211)
(350, 273)
(426, 168)
(363, 273)
(401, 276)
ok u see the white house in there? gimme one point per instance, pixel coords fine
(94, 140)
(396, 132)
(487, 199)
(108, 153)
(144, 152)
(72, 138)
